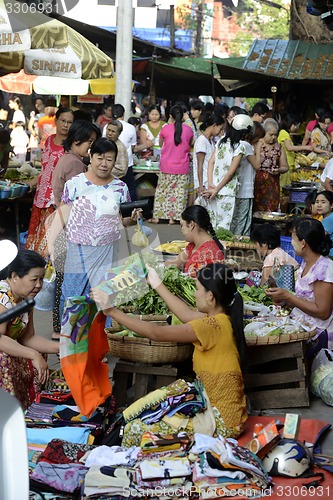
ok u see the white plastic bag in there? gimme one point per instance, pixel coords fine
(45, 299)
(322, 367)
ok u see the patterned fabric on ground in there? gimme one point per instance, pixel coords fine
(158, 483)
(165, 469)
(152, 399)
(63, 452)
(34, 453)
(113, 455)
(68, 414)
(226, 469)
(83, 345)
(164, 442)
(78, 435)
(39, 413)
(63, 477)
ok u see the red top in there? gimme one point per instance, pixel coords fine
(207, 253)
(51, 154)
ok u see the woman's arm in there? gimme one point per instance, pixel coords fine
(177, 333)
(175, 304)
(328, 184)
(211, 169)
(254, 161)
(178, 261)
(266, 271)
(321, 307)
(283, 164)
(200, 161)
(59, 223)
(228, 176)
(291, 147)
(306, 138)
(19, 350)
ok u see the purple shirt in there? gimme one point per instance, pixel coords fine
(175, 159)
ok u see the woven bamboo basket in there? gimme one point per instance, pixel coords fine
(142, 350)
(284, 338)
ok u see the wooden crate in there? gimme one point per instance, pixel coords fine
(141, 377)
(277, 376)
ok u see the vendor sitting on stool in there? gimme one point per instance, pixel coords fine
(267, 239)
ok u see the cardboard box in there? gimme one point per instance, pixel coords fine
(264, 440)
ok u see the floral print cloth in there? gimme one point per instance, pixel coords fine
(221, 208)
(267, 180)
(170, 196)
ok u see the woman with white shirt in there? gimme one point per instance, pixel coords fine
(18, 116)
(204, 148)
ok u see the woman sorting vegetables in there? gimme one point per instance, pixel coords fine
(313, 301)
(216, 331)
(203, 248)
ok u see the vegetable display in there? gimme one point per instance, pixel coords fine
(254, 294)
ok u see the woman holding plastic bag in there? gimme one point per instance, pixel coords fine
(313, 300)
(90, 210)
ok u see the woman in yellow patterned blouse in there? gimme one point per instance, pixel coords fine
(216, 331)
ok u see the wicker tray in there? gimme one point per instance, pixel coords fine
(279, 339)
(239, 245)
(143, 350)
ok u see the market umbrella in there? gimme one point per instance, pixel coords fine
(21, 31)
(40, 51)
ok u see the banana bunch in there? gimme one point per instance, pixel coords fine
(304, 175)
(175, 246)
(304, 160)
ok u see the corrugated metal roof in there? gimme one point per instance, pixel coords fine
(290, 59)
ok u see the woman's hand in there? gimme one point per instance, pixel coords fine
(210, 193)
(41, 366)
(102, 299)
(153, 278)
(278, 295)
(136, 214)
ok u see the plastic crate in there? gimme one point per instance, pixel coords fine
(298, 196)
(285, 244)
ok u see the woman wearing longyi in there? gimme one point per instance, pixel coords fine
(216, 331)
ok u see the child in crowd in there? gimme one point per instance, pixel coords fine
(19, 140)
(242, 218)
(324, 205)
(310, 206)
(223, 172)
(267, 238)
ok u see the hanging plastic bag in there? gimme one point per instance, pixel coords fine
(45, 299)
(139, 239)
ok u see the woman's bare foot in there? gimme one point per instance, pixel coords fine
(154, 220)
(172, 222)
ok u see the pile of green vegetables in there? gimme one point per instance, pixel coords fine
(254, 294)
(146, 300)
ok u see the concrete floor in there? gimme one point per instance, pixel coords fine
(163, 233)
